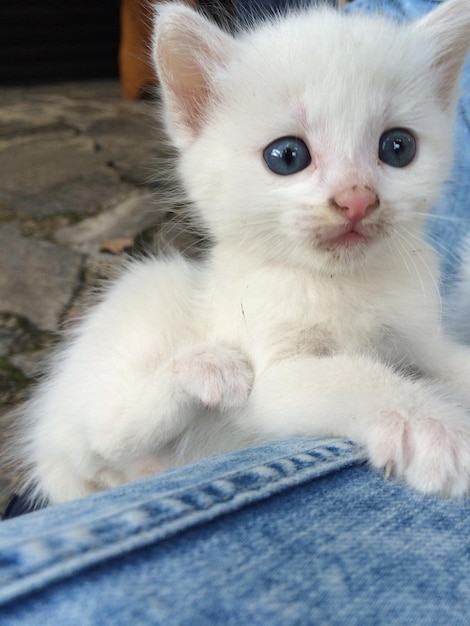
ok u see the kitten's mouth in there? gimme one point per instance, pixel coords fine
(348, 239)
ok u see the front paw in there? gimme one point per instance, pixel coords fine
(431, 455)
(218, 377)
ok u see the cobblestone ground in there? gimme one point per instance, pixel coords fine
(77, 194)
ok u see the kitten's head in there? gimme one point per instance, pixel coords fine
(312, 138)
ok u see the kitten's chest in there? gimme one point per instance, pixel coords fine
(272, 316)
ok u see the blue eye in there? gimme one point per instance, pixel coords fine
(397, 147)
(287, 155)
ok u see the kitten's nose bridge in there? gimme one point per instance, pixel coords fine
(355, 202)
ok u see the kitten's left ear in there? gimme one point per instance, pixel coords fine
(189, 52)
(448, 27)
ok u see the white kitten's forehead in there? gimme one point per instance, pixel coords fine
(310, 69)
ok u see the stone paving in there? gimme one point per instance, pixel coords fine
(78, 190)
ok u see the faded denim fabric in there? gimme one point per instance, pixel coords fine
(299, 532)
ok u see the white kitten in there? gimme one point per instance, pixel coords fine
(312, 147)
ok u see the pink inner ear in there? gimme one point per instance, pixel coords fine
(187, 86)
(189, 49)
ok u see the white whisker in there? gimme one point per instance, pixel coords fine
(407, 233)
(443, 218)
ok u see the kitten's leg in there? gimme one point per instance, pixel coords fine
(199, 377)
(123, 435)
(205, 376)
(130, 380)
(406, 424)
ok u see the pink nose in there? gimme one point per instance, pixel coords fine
(356, 202)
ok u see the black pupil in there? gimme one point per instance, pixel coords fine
(289, 155)
(397, 145)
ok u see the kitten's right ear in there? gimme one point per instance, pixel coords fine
(188, 51)
(448, 27)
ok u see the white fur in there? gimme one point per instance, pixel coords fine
(278, 333)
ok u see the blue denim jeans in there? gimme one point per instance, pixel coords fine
(295, 532)
(299, 532)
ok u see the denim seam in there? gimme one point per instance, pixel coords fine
(161, 518)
